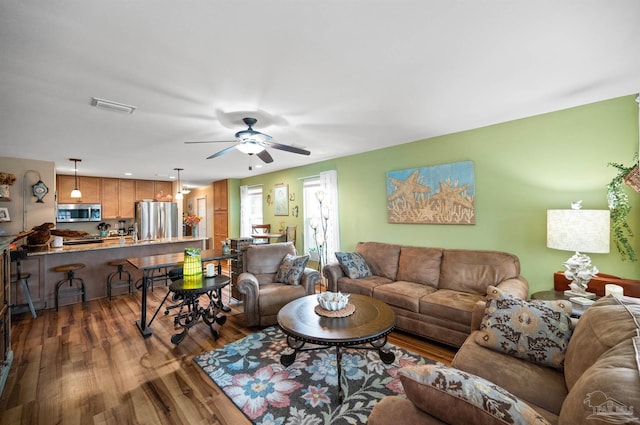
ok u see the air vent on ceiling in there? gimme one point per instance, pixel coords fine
(112, 106)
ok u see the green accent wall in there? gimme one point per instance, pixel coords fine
(522, 168)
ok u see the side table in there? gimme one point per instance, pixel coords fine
(577, 310)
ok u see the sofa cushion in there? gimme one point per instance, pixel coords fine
(473, 271)
(363, 286)
(450, 305)
(520, 377)
(457, 397)
(353, 264)
(291, 269)
(420, 265)
(603, 325)
(382, 258)
(608, 392)
(402, 294)
(537, 331)
(266, 258)
(274, 295)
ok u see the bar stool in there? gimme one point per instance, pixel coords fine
(121, 282)
(69, 269)
(16, 256)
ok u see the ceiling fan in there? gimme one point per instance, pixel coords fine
(254, 143)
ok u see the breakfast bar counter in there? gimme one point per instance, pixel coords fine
(95, 257)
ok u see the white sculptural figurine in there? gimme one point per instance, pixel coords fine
(579, 271)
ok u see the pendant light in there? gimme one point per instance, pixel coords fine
(75, 193)
(179, 194)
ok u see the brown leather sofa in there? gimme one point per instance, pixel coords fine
(600, 382)
(263, 296)
(432, 290)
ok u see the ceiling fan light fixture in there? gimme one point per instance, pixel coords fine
(250, 147)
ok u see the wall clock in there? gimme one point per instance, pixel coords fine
(39, 191)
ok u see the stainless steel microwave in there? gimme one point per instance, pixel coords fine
(72, 213)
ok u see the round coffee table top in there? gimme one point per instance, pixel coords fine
(371, 320)
(200, 284)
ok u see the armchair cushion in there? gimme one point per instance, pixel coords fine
(537, 331)
(457, 397)
(291, 269)
(353, 265)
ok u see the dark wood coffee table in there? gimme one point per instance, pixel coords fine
(367, 328)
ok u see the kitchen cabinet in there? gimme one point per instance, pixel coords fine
(163, 188)
(148, 189)
(89, 187)
(220, 212)
(118, 198)
(5, 314)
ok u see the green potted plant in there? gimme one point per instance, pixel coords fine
(619, 205)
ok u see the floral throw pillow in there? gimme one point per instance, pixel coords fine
(291, 269)
(458, 397)
(353, 264)
(537, 331)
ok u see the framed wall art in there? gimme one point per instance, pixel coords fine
(4, 214)
(281, 199)
(439, 194)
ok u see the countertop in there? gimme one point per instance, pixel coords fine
(113, 242)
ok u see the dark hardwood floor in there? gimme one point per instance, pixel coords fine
(88, 364)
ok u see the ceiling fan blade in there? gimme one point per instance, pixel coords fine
(211, 141)
(264, 155)
(287, 148)
(222, 152)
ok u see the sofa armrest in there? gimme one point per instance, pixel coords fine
(517, 286)
(249, 286)
(310, 278)
(332, 272)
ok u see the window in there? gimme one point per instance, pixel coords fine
(327, 184)
(250, 208)
(311, 210)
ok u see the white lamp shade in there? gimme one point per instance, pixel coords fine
(249, 147)
(579, 230)
(75, 193)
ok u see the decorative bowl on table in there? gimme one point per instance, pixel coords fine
(333, 301)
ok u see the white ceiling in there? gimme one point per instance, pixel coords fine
(334, 77)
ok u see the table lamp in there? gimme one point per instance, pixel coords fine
(579, 230)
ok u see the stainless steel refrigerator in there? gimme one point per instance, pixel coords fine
(157, 220)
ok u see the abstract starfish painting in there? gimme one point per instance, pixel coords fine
(439, 194)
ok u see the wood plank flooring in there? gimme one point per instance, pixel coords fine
(88, 364)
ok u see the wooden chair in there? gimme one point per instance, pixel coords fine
(290, 234)
(257, 232)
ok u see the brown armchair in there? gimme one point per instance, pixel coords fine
(263, 296)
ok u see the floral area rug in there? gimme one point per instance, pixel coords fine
(305, 393)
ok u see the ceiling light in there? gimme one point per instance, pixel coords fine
(112, 106)
(185, 190)
(179, 194)
(250, 147)
(75, 193)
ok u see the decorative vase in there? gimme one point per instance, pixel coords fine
(192, 262)
(194, 231)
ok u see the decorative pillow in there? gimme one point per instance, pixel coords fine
(457, 397)
(353, 264)
(537, 331)
(291, 269)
